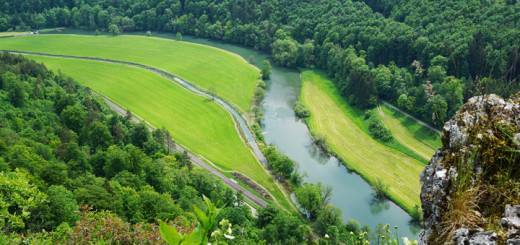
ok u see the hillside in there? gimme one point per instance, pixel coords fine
(89, 174)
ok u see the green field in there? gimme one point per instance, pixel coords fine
(333, 117)
(232, 77)
(194, 121)
(410, 133)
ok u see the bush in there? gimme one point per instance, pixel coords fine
(114, 29)
(353, 226)
(321, 141)
(380, 189)
(416, 214)
(258, 132)
(300, 110)
(378, 130)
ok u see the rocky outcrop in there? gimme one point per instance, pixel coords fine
(474, 139)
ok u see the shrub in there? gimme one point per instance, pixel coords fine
(416, 214)
(378, 130)
(258, 132)
(353, 226)
(300, 110)
(321, 141)
(380, 189)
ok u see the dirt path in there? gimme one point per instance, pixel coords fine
(197, 161)
(412, 117)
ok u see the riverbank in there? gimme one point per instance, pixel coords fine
(332, 117)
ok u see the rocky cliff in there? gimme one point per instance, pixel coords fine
(470, 188)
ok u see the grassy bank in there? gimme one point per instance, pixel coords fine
(194, 121)
(230, 75)
(410, 133)
(333, 117)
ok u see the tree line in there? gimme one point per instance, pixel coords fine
(427, 57)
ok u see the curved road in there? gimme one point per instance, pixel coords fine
(197, 161)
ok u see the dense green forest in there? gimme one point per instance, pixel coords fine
(427, 57)
(73, 171)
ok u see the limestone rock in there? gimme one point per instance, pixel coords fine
(462, 136)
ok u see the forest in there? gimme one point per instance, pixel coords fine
(426, 57)
(71, 168)
(74, 171)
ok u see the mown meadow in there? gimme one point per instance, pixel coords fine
(332, 117)
(408, 132)
(210, 68)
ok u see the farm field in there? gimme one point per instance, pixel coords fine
(194, 121)
(330, 116)
(411, 134)
(231, 76)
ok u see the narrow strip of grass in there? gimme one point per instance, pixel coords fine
(229, 74)
(410, 133)
(194, 121)
(10, 34)
(334, 118)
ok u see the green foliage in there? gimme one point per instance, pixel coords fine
(212, 91)
(73, 117)
(62, 207)
(320, 140)
(301, 110)
(172, 237)
(353, 226)
(281, 164)
(378, 130)
(416, 214)
(328, 216)
(312, 198)
(278, 226)
(126, 184)
(201, 234)
(113, 29)
(19, 199)
(266, 70)
(380, 189)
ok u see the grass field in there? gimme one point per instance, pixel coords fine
(332, 117)
(410, 133)
(194, 121)
(232, 77)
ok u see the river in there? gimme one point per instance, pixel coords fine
(291, 136)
